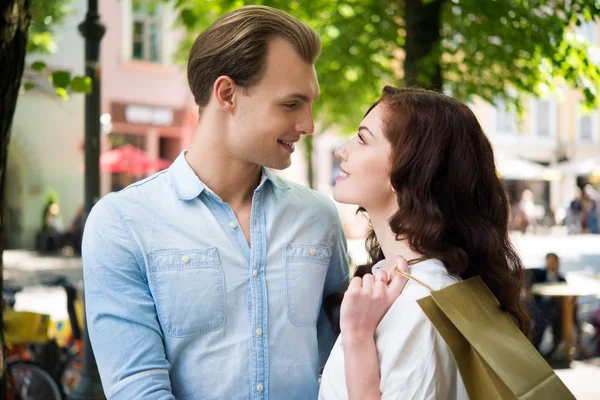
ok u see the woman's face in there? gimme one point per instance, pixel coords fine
(365, 166)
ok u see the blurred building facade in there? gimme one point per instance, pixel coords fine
(145, 98)
(555, 133)
(146, 103)
(551, 151)
(46, 148)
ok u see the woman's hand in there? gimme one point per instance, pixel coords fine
(367, 300)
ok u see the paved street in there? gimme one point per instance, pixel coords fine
(580, 259)
(29, 270)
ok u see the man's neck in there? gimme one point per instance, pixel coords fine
(234, 181)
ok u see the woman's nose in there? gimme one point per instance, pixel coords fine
(342, 153)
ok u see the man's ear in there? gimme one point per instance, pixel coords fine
(224, 91)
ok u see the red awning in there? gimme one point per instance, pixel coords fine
(130, 160)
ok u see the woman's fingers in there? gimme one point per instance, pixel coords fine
(381, 276)
(355, 284)
(398, 282)
(402, 264)
(396, 286)
(368, 282)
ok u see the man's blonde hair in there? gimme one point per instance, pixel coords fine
(236, 46)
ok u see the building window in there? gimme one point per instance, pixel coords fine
(588, 31)
(146, 31)
(506, 120)
(545, 118)
(121, 139)
(587, 126)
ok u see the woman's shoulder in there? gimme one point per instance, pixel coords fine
(429, 274)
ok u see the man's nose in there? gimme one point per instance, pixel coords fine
(306, 126)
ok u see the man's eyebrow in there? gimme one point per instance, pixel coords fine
(366, 129)
(302, 97)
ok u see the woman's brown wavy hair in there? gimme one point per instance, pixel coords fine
(452, 204)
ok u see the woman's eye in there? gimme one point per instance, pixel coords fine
(360, 138)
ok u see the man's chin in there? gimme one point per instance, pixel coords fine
(279, 165)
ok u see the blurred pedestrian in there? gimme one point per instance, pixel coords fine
(527, 212)
(74, 235)
(591, 208)
(574, 213)
(49, 238)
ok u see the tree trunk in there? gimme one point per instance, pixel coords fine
(15, 16)
(423, 40)
(308, 155)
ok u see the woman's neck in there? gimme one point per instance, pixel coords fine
(390, 246)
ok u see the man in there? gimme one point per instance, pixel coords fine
(546, 310)
(205, 281)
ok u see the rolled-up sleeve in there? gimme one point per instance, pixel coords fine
(121, 317)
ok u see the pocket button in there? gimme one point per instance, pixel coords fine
(185, 259)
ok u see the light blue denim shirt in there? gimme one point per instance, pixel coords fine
(180, 306)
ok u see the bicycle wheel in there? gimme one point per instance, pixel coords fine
(71, 375)
(30, 381)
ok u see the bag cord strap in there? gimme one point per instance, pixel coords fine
(408, 276)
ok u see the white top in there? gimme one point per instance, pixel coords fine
(415, 362)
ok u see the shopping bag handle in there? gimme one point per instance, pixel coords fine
(408, 276)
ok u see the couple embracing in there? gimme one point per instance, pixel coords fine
(217, 279)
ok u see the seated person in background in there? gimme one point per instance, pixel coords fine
(546, 310)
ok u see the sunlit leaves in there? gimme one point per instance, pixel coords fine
(492, 49)
(60, 79)
(81, 84)
(46, 16)
(38, 66)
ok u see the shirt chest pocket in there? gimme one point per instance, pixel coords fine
(189, 290)
(305, 272)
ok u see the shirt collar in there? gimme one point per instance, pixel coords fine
(188, 186)
(430, 264)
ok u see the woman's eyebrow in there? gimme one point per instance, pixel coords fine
(366, 129)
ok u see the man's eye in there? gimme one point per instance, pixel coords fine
(291, 105)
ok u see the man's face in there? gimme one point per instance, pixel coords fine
(552, 264)
(272, 115)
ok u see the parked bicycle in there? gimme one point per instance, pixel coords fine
(26, 378)
(44, 356)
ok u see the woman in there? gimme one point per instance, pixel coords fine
(424, 171)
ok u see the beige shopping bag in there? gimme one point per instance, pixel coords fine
(495, 359)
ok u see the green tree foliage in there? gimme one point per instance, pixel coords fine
(492, 49)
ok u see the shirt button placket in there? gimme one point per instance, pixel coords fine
(259, 334)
